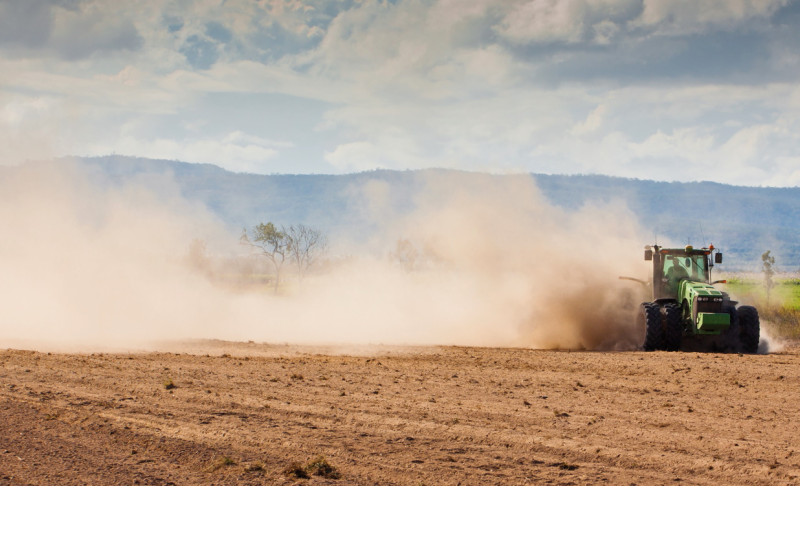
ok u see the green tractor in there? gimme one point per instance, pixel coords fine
(687, 312)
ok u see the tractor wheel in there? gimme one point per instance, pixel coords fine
(649, 325)
(673, 327)
(749, 328)
(730, 342)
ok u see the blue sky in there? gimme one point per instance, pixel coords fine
(654, 89)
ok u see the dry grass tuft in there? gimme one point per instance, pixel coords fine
(221, 462)
(297, 470)
(319, 466)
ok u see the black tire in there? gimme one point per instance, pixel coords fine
(730, 342)
(673, 327)
(749, 328)
(649, 325)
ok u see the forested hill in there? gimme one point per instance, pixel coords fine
(743, 221)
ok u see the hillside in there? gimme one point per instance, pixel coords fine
(742, 221)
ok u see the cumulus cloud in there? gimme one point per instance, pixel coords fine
(601, 21)
(720, 133)
(693, 16)
(69, 30)
(89, 29)
(567, 21)
(650, 88)
(236, 151)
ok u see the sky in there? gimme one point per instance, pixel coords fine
(676, 90)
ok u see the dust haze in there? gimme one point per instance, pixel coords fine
(478, 261)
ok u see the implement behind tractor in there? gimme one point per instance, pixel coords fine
(687, 311)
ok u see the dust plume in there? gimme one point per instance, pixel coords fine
(478, 260)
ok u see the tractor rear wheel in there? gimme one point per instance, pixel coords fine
(730, 341)
(649, 325)
(749, 328)
(673, 327)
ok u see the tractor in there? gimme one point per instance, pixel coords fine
(686, 311)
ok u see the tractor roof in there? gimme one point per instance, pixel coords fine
(688, 251)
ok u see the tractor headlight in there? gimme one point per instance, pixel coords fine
(702, 298)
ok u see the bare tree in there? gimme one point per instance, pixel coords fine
(306, 244)
(768, 263)
(274, 243)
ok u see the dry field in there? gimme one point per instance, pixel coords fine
(219, 413)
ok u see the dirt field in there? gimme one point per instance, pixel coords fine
(217, 413)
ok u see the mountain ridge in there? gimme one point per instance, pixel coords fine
(742, 221)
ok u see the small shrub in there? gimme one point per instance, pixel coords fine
(169, 384)
(317, 467)
(297, 470)
(321, 467)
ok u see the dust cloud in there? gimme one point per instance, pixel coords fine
(478, 260)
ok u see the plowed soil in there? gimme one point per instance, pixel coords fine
(218, 413)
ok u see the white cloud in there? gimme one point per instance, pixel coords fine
(691, 16)
(734, 134)
(407, 84)
(546, 21)
(387, 152)
(600, 21)
(17, 111)
(91, 28)
(567, 21)
(235, 152)
(592, 123)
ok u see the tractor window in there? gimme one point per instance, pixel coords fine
(699, 268)
(680, 267)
